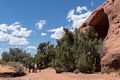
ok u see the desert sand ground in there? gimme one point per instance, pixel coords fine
(5, 68)
(50, 74)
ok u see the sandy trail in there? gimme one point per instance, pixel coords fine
(4, 68)
(50, 74)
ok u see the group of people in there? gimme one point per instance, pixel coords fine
(33, 67)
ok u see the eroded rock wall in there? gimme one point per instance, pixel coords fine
(105, 20)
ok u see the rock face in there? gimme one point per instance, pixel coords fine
(99, 21)
(105, 20)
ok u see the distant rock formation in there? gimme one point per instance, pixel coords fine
(105, 20)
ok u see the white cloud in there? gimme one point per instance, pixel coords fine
(58, 33)
(78, 16)
(4, 36)
(14, 26)
(80, 9)
(18, 41)
(32, 47)
(22, 32)
(14, 34)
(43, 34)
(3, 27)
(40, 24)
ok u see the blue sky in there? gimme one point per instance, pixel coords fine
(26, 23)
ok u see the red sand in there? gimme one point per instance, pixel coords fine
(50, 74)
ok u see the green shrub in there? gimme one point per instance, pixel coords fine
(75, 52)
(14, 64)
(45, 54)
(2, 62)
(107, 70)
(76, 71)
(81, 51)
(82, 63)
(16, 54)
(19, 68)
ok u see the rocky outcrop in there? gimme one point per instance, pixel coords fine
(105, 20)
(99, 21)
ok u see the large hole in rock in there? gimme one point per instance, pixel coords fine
(100, 23)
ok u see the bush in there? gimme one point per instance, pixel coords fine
(81, 51)
(83, 63)
(76, 71)
(19, 68)
(16, 54)
(107, 70)
(59, 69)
(45, 54)
(2, 62)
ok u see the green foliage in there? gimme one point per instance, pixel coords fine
(107, 70)
(76, 71)
(2, 62)
(82, 63)
(16, 55)
(45, 53)
(90, 46)
(64, 60)
(6, 57)
(19, 68)
(75, 52)
(78, 51)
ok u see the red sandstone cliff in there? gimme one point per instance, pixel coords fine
(105, 20)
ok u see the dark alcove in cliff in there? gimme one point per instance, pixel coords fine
(100, 23)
